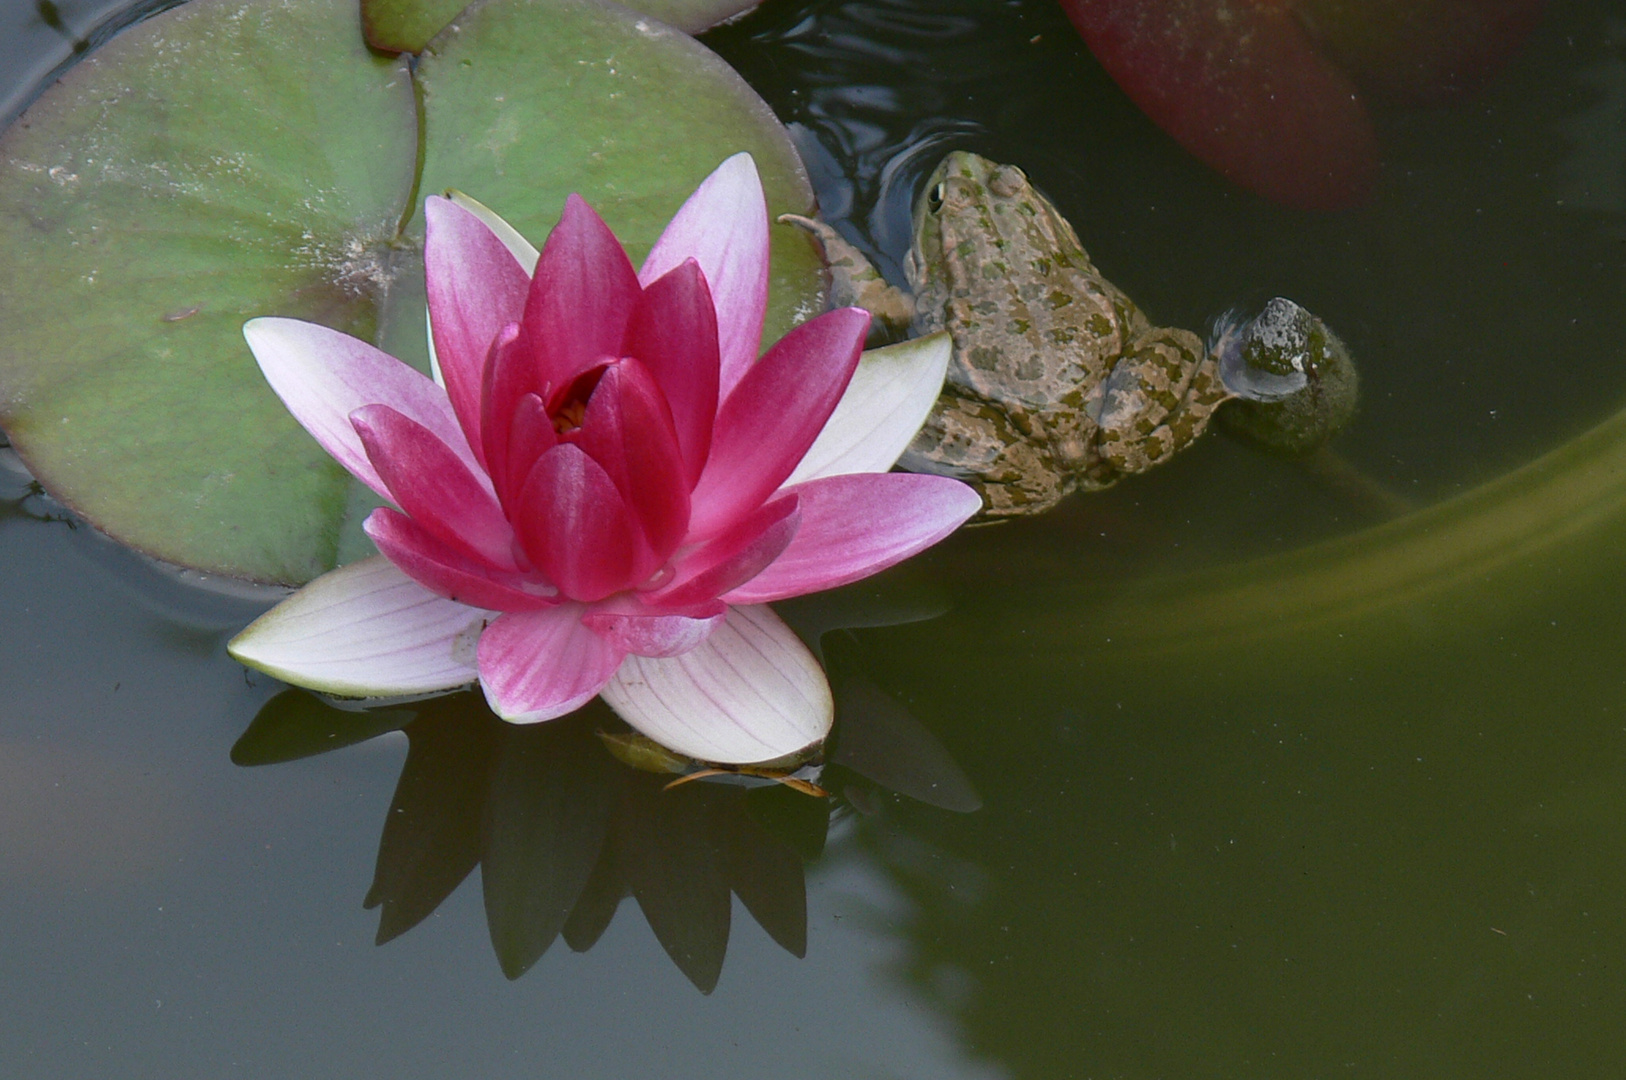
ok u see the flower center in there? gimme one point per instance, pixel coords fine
(569, 417)
(569, 407)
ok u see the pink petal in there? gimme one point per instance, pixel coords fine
(476, 287)
(446, 571)
(530, 435)
(857, 525)
(627, 429)
(766, 425)
(750, 692)
(508, 379)
(577, 529)
(583, 291)
(733, 557)
(641, 632)
(536, 665)
(724, 227)
(891, 393)
(673, 332)
(323, 376)
(435, 489)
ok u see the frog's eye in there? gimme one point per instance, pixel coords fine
(934, 200)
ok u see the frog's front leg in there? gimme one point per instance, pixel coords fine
(1156, 400)
(853, 281)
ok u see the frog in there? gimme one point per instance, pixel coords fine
(1058, 382)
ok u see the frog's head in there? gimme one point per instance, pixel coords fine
(1294, 381)
(956, 200)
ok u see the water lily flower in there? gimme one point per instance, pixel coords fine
(604, 486)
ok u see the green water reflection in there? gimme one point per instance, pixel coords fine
(1267, 791)
(1317, 813)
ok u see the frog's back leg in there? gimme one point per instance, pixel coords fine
(1158, 398)
(977, 443)
(853, 281)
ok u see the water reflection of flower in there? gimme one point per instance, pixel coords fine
(562, 832)
(604, 486)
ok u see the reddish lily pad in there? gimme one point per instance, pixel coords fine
(408, 25)
(227, 160)
(1243, 87)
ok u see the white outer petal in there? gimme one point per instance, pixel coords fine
(365, 630)
(516, 244)
(891, 394)
(750, 692)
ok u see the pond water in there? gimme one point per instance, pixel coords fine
(1268, 787)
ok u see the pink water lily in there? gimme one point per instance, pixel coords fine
(604, 485)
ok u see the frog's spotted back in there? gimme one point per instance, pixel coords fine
(1058, 381)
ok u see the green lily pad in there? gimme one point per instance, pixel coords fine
(693, 16)
(638, 115)
(407, 25)
(217, 162)
(228, 160)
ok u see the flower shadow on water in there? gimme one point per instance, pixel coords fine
(563, 832)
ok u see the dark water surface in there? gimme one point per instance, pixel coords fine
(1257, 800)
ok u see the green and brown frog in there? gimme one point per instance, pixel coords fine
(1058, 382)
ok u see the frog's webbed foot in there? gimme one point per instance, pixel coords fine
(1158, 398)
(977, 443)
(853, 281)
(1294, 380)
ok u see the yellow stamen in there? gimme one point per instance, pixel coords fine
(569, 417)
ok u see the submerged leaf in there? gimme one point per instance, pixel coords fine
(1242, 87)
